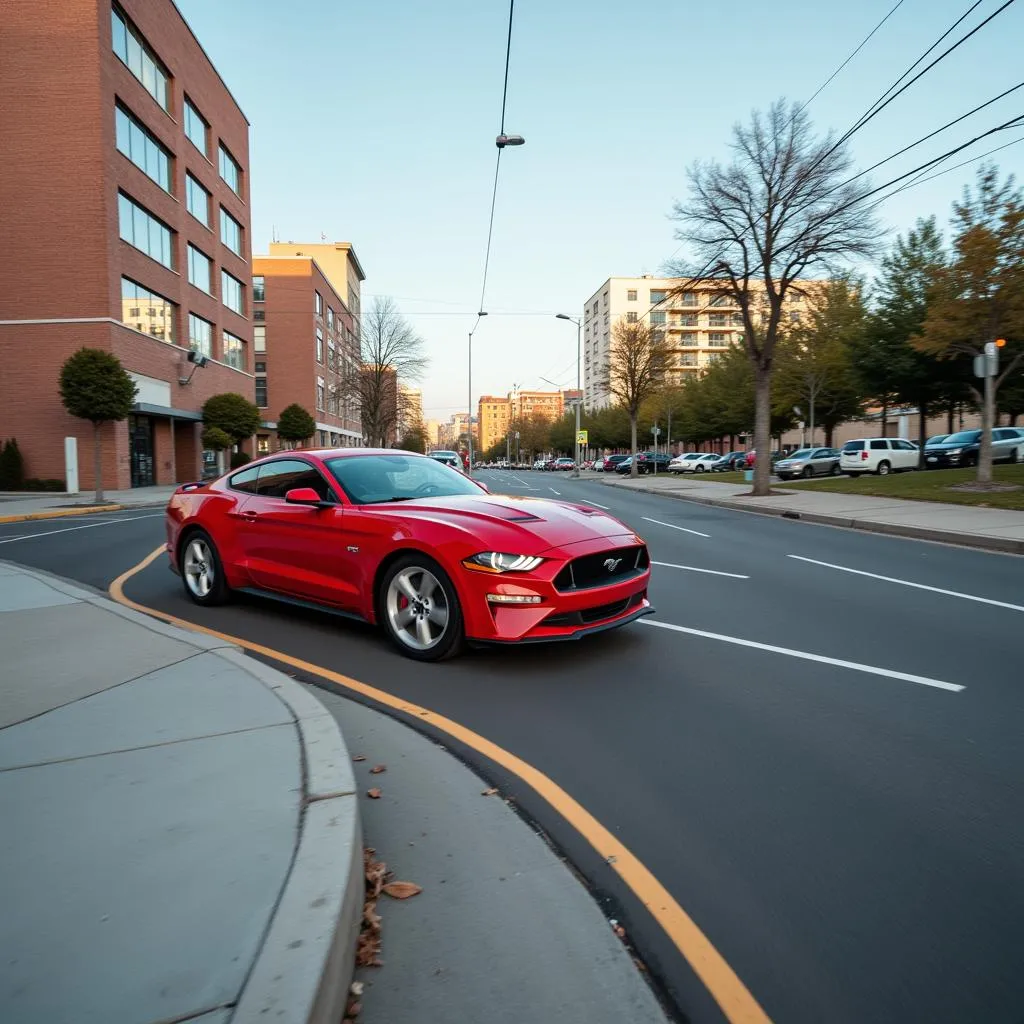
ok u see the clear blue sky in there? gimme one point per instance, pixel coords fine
(374, 123)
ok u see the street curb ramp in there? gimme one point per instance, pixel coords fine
(304, 967)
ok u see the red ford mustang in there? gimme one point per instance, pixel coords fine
(404, 541)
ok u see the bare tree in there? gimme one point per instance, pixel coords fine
(783, 209)
(636, 371)
(390, 350)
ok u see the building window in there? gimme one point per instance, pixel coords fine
(631, 317)
(230, 172)
(261, 392)
(688, 359)
(716, 339)
(197, 200)
(232, 292)
(688, 299)
(259, 339)
(140, 228)
(320, 393)
(721, 299)
(657, 295)
(142, 148)
(263, 444)
(199, 269)
(260, 366)
(332, 355)
(233, 350)
(200, 335)
(330, 319)
(659, 317)
(794, 316)
(319, 345)
(196, 128)
(259, 314)
(318, 303)
(259, 289)
(716, 319)
(631, 295)
(146, 311)
(230, 232)
(137, 56)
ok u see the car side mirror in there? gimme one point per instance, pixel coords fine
(306, 496)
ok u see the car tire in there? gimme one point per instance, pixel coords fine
(884, 469)
(418, 571)
(202, 572)
(1016, 456)
(807, 473)
(699, 468)
(835, 470)
(852, 476)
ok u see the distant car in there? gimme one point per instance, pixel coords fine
(808, 462)
(612, 462)
(963, 448)
(881, 455)
(696, 462)
(649, 462)
(733, 460)
(598, 464)
(625, 465)
(448, 458)
(937, 439)
(539, 463)
(563, 464)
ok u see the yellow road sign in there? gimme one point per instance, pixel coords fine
(581, 437)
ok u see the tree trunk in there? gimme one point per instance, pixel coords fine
(988, 406)
(950, 410)
(829, 431)
(762, 429)
(1013, 419)
(97, 462)
(632, 441)
(922, 431)
(885, 419)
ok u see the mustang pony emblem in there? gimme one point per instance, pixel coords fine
(611, 564)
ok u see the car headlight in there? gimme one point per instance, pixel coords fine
(498, 561)
(955, 451)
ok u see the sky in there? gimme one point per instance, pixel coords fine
(374, 123)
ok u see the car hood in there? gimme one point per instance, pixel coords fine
(944, 447)
(507, 522)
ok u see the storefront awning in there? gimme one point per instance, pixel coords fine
(145, 409)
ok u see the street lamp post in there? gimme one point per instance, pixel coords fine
(469, 388)
(579, 386)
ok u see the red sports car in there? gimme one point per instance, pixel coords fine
(401, 540)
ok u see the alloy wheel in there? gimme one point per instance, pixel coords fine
(417, 608)
(199, 567)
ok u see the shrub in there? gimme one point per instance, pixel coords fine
(12, 467)
(239, 459)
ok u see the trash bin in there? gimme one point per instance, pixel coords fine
(748, 475)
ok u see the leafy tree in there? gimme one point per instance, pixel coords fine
(978, 295)
(12, 466)
(562, 434)
(815, 369)
(414, 439)
(295, 424)
(783, 208)
(234, 414)
(390, 349)
(95, 386)
(1011, 396)
(636, 371)
(215, 439)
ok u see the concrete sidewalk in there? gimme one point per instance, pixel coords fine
(16, 506)
(989, 528)
(180, 834)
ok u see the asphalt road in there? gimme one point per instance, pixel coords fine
(823, 768)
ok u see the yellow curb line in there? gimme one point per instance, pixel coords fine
(736, 1002)
(60, 513)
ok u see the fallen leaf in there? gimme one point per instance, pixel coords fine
(620, 931)
(356, 988)
(354, 1009)
(373, 794)
(489, 792)
(378, 768)
(359, 757)
(402, 890)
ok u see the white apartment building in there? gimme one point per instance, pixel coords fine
(699, 322)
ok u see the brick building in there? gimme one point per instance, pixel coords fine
(494, 417)
(125, 194)
(306, 339)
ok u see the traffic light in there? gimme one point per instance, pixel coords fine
(1000, 342)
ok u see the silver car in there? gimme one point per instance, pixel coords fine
(808, 462)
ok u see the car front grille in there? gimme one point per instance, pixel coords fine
(603, 568)
(587, 616)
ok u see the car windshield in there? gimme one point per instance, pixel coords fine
(373, 479)
(964, 437)
(937, 439)
(803, 453)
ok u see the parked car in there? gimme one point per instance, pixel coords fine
(703, 462)
(539, 463)
(597, 464)
(733, 460)
(612, 462)
(962, 449)
(563, 464)
(448, 458)
(937, 439)
(881, 455)
(624, 465)
(808, 462)
(677, 464)
(436, 552)
(649, 462)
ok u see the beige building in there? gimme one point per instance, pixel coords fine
(433, 429)
(410, 408)
(549, 404)
(338, 262)
(494, 414)
(699, 323)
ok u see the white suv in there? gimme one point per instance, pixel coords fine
(881, 455)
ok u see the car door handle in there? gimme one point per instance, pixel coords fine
(250, 517)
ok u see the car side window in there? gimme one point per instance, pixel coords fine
(279, 477)
(879, 444)
(1003, 435)
(245, 480)
(904, 446)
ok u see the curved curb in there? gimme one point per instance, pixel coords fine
(61, 513)
(1007, 545)
(303, 969)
